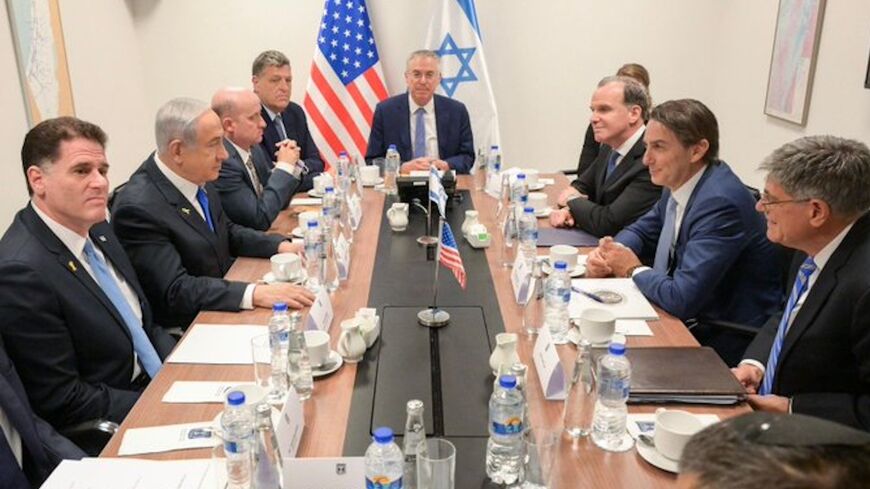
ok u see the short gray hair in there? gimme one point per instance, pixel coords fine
(268, 58)
(423, 53)
(829, 168)
(177, 120)
(633, 92)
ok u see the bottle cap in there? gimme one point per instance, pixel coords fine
(392, 146)
(236, 398)
(383, 435)
(279, 307)
(494, 146)
(312, 224)
(329, 190)
(507, 381)
(521, 176)
(617, 345)
(560, 265)
(529, 210)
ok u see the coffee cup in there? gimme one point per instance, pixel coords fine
(321, 182)
(531, 177)
(673, 430)
(306, 217)
(286, 266)
(369, 174)
(398, 216)
(318, 347)
(538, 201)
(565, 253)
(596, 325)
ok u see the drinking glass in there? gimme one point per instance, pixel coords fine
(540, 449)
(391, 169)
(272, 378)
(436, 464)
(480, 169)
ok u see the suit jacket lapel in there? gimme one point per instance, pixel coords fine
(262, 164)
(402, 115)
(234, 155)
(442, 123)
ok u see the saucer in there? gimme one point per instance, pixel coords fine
(269, 278)
(537, 186)
(297, 232)
(315, 194)
(374, 182)
(656, 459)
(574, 337)
(545, 212)
(578, 271)
(333, 363)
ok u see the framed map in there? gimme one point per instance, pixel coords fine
(793, 61)
(39, 49)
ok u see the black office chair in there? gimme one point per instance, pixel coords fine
(91, 436)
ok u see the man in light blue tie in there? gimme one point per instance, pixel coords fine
(74, 318)
(700, 253)
(814, 357)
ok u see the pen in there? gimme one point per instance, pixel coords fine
(589, 295)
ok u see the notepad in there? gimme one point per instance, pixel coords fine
(632, 305)
(217, 344)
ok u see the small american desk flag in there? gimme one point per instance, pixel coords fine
(346, 80)
(449, 254)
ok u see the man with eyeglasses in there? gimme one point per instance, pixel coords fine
(814, 357)
(425, 127)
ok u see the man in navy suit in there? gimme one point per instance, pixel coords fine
(814, 356)
(252, 192)
(29, 447)
(424, 127)
(171, 222)
(72, 314)
(285, 121)
(704, 241)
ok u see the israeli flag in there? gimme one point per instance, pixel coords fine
(455, 35)
(436, 191)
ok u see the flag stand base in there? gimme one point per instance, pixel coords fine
(427, 240)
(433, 318)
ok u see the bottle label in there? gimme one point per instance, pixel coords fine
(383, 482)
(512, 426)
(232, 447)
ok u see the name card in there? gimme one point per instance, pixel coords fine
(324, 473)
(290, 425)
(521, 276)
(320, 314)
(354, 206)
(342, 256)
(547, 364)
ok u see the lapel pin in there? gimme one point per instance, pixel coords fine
(185, 210)
(102, 238)
(72, 266)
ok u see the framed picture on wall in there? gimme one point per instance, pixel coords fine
(867, 78)
(41, 54)
(793, 60)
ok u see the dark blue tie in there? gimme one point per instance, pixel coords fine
(202, 198)
(611, 164)
(420, 133)
(800, 287)
(666, 237)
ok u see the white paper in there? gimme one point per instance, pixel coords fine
(305, 201)
(633, 327)
(633, 306)
(167, 438)
(130, 473)
(184, 391)
(342, 256)
(521, 276)
(645, 422)
(548, 366)
(320, 314)
(217, 344)
(290, 424)
(546, 181)
(324, 473)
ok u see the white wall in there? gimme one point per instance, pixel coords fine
(545, 57)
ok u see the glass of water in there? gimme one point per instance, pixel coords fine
(391, 170)
(270, 370)
(436, 464)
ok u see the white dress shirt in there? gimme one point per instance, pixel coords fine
(429, 121)
(629, 143)
(13, 438)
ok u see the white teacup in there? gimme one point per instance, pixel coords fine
(565, 253)
(306, 217)
(596, 325)
(673, 430)
(318, 347)
(369, 174)
(531, 177)
(321, 182)
(538, 201)
(398, 216)
(286, 266)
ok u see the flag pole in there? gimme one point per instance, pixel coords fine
(432, 317)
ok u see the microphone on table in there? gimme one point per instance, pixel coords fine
(430, 249)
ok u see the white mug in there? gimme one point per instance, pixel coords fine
(596, 325)
(565, 253)
(286, 266)
(369, 174)
(321, 182)
(318, 347)
(673, 430)
(398, 216)
(538, 201)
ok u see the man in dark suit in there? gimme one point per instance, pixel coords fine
(29, 447)
(72, 314)
(705, 242)
(814, 357)
(424, 127)
(252, 192)
(285, 121)
(171, 222)
(616, 189)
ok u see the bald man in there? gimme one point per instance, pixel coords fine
(252, 191)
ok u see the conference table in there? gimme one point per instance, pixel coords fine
(390, 272)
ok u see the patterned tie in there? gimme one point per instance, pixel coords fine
(258, 187)
(611, 164)
(141, 344)
(666, 238)
(800, 287)
(202, 198)
(279, 124)
(420, 133)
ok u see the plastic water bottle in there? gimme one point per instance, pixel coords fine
(298, 364)
(313, 244)
(279, 341)
(328, 264)
(237, 425)
(493, 171)
(343, 171)
(415, 434)
(529, 236)
(580, 401)
(519, 189)
(330, 200)
(504, 449)
(557, 294)
(383, 461)
(391, 168)
(614, 384)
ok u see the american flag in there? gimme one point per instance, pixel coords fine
(346, 80)
(449, 254)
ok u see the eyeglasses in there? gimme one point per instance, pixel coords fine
(419, 75)
(766, 201)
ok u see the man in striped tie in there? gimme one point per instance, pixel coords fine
(814, 358)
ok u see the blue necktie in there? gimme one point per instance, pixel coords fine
(202, 198)
(141, 344)
(279, 124)
(420, 133)
(611, 164)
(666, 238)
(800, 287)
